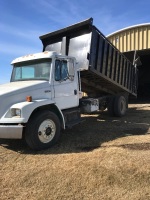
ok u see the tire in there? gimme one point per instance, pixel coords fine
(120, 106)
(42, 131)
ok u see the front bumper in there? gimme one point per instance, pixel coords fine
(11, 131)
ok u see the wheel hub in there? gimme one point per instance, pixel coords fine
(46, 131)
(123, 106)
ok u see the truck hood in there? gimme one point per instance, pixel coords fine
(16, 92)
(22, 86)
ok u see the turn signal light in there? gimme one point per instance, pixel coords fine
(29, 98)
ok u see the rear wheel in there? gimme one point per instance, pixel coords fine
(120, 106)
(43, 130)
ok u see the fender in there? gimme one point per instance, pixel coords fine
(27, 108)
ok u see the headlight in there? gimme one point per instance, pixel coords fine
(18, 112)
(15, 112)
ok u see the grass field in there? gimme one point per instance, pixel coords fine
(103, 158)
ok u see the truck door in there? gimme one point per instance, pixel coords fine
(66, 89)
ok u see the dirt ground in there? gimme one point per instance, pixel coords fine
(102, 158)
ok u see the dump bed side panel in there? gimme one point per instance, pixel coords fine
(115, 71)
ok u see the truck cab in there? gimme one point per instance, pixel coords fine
(58, 72)
(42, 84)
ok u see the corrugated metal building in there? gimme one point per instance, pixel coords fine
(131, 39)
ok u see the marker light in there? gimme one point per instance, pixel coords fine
(29, 98)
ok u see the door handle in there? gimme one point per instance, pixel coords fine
(75, 92)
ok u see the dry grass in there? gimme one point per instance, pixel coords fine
(103, 158)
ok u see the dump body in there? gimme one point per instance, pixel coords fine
(104, 70)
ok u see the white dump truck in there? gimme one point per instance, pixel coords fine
(45, 93)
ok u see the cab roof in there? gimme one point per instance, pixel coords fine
(42, 55)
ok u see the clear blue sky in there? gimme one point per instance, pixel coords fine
(23, 21)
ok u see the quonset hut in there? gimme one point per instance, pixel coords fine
(134, 41)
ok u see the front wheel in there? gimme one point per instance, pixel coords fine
(43, 130)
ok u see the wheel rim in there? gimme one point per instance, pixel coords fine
(123, 106)
(46, 131)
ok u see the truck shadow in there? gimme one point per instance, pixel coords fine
(99, 128)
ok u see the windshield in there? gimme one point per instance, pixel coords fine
(35, 70)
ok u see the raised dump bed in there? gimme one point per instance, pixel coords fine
(104, 70)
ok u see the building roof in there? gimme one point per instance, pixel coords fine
(127, 28)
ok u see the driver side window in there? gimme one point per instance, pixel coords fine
(61, 70)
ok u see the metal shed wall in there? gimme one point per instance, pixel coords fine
(131, 38)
